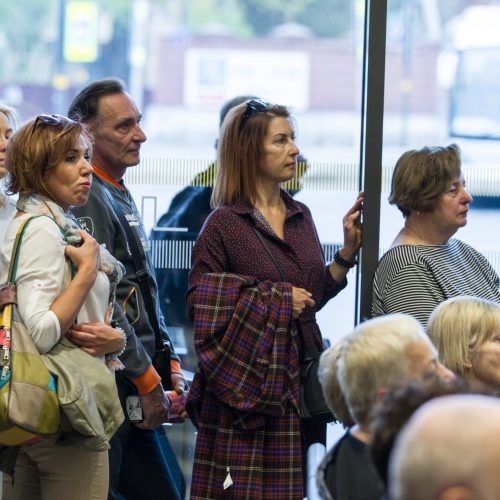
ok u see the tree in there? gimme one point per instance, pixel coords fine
(326, 18)
(27, 47)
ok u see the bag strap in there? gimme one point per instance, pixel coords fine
(282, 275)
(270, 252)
(141, 272)
(15, 250)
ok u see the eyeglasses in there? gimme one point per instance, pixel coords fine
(253, 106)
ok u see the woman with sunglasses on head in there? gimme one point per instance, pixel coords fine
(9, 121)
(65, 284)
(258, 274)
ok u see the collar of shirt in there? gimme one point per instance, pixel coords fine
(105, 177)
(292, 207)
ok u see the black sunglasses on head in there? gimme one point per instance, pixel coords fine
(253, 106)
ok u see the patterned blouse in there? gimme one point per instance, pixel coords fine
(228, 243)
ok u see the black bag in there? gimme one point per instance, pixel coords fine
(312, 402)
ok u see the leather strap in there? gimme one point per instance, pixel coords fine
(141, 272)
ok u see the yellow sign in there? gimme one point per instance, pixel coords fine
(81, 29)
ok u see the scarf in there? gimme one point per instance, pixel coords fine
(38, 204)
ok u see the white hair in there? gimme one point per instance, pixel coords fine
(374, 357)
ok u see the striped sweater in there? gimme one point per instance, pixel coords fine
(414, 279)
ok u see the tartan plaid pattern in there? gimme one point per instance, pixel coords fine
(244, 395)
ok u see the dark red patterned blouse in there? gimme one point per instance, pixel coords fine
(227, 243)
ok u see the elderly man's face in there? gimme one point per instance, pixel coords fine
(117, 133)
(424, 361)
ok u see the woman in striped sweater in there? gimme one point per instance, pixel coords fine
(425, 264)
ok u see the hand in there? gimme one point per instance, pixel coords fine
(179, 383)
(352, 230)
(96, 338)
(86, 257)
(300, 299)
(155, 407)
(177, 413)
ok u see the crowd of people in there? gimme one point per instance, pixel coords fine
(415, 386)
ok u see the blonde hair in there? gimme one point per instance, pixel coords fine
(11, 115)
(459, 326)
(13, 120)
(240, 152)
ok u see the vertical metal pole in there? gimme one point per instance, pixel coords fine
(372, 122)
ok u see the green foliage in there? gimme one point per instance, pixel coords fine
(25, 38)
(217, 12)
(29, 36)
(326, 18)
(289, 9)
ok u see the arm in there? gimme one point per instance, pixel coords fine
(96, 218)
(97, 339)
(85, 259)
(208, 256)
(410, 289)
(48, 300)
(235, 318)
(138, 368)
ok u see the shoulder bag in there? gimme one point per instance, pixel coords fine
(28, 400)
(312, 402)
(161, 358)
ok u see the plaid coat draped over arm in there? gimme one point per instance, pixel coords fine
(244, 395)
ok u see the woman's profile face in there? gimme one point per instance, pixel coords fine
(5, 133)
(485, 362)
(453, 206)
(69, 182)
(279, 151)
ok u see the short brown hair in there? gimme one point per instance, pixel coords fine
(36, 149)
(239, 153)
(421, 176)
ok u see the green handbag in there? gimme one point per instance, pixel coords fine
(29, 406)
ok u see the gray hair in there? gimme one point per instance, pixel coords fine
(85, 105)
(327, 374)
(373, 357)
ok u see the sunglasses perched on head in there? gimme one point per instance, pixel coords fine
(253, 106)
(50, 121)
